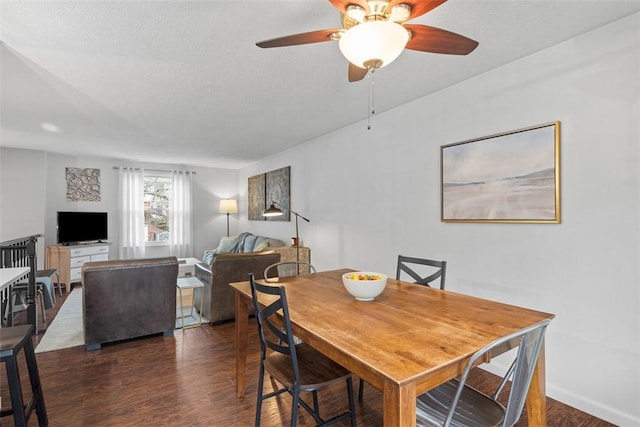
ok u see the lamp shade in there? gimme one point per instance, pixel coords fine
(228, 206)
(374, 43)
(272, 211)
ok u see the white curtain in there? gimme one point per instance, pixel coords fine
(180, 211)
(131, 207)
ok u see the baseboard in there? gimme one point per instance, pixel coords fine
(582, 403)
(592, 407)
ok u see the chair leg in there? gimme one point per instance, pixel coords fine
(316, 406)
(17, 404)
(294, 407)
(259, 402)
(352, 404)
(36, 386)
(360, 390)
(58, 283)
(44, 314)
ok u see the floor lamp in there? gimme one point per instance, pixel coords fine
(228, 206)
(274, 211)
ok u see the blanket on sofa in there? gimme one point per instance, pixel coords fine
(238, 246)
(242, 243)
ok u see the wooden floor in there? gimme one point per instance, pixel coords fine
(188, 380)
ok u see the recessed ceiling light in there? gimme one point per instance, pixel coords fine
(49, 127)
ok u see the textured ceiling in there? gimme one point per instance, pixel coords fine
(182, 81)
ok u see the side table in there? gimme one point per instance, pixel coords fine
(189, 283)
(187, 266)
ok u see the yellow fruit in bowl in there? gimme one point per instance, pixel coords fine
(364, 277)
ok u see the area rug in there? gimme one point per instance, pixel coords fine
(65, 330)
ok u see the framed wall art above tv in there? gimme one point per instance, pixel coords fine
(511, 177)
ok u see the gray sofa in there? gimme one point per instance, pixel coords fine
(219, 297)
(125, 299)
(232, 261)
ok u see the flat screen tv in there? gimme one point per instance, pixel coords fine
(81, 227)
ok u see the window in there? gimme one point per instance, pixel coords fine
(157, 193)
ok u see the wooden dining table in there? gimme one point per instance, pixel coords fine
(408, 340)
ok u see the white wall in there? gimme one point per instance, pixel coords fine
(373, 194)
(33, 186)
(22, 196)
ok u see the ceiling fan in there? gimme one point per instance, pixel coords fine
(374, 33)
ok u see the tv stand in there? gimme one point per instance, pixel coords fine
(68, 259)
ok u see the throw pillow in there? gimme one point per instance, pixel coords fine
(264, 245)
(226, 243)
(275, 243)
(249, 243)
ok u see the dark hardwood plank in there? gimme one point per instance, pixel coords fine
(188, 380)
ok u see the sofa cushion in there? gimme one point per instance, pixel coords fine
(226, 243)
(249, 243)
(261, 244)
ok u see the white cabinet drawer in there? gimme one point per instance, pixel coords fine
(75, 274)
(75, 252)
(78, 261)
(100, 250)
(100, 257)
(88, 250)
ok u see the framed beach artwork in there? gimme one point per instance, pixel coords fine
(512, 177)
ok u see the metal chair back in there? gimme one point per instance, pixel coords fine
(413, 268)
(460, 405)
(286, 269)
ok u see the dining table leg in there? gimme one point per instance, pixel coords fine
(536, 396)
(241, 329)
(399, 405)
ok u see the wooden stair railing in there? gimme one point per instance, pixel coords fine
(21, 252)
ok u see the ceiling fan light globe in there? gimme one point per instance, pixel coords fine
(400, 13)
(355, 12)
(377, 41)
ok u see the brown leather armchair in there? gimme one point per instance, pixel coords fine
(125, 299)
(219, 297)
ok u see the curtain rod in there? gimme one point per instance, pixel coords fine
(157, 170)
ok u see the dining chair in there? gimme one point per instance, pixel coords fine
(410, 267)
(456, 404)
(286, 269)
(421, 272)
(299, 368)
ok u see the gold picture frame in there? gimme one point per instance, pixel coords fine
(511, 177)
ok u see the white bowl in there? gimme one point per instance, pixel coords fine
(364, 289)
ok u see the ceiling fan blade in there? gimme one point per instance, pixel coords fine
(418, 7)
(341, 5)
(356, 73)
(436, 40)
(296, 39)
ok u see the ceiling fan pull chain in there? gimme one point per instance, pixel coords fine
(371, 105)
